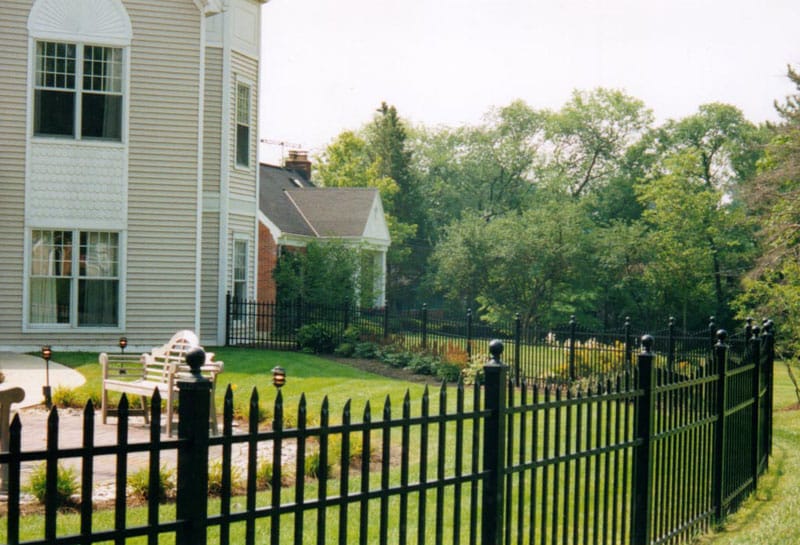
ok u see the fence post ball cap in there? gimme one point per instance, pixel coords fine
(278, 376)
(647, 343)
(195, 358)
(496, 349)
(722, 335)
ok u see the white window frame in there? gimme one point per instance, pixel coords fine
(74, 278)
(79, 89)
(239, 241)
(244, 120)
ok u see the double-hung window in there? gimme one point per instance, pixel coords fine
(242, 125)
(74, 278)
(78, 91)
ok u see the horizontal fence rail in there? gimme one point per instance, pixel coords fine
(653, 453)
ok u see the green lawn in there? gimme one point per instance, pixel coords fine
(246, 369)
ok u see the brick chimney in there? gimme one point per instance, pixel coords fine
(298, 160)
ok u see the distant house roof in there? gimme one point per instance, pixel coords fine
(295, 206)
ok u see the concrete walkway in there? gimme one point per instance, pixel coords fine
(28, 373)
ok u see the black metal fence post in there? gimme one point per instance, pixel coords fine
(424, 326)
(385, 319)
(671, 345)
(469, 333)
(517, 349)
(628, 344)
(572, 326)
(718, 484)
(494, 447)
(755, 423)
(227, 318)
(642, 502)
(768, 353)
(193, 430)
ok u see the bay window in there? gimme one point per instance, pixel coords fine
(74, 278)
(78, 91)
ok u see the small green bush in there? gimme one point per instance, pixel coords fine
(397, 359)
(352, 335)
(66, 484)
(473, 372)
(316, 338)
(345, 350)
(313, 466)
(264, 473)
(422, 365)
(139, 483)
(448, 372)
(215, 478)
(367, 350)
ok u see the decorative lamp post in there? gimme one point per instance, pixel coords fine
(123, 342)
(278, 376)
(47, 353)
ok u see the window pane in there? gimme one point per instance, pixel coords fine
(55, 65)
(102, 116)
(102, 69)
(243, 145)
(99, 251)
(54, 113)
(49, 300)
(97, 303)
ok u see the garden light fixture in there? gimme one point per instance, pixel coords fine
(278, 376)
(47, 353)
(123, 342)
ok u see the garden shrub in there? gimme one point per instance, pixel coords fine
(367, 350)
(473, 372)
(345, 350)
(66, 484)
(352, 334)
(422, 364)
(264, 473)
(215, 478)
(448, 372)
(315, 338)
(139, 483)
(313, 466)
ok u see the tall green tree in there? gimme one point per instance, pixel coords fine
(700, 234)
(589, 138)
(772, 287)
(488, 169)
(379, 156)
(529, 263)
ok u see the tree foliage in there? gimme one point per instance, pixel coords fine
(773, 284)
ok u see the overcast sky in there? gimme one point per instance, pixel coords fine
(328, 64)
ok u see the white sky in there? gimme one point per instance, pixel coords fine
(328, 64)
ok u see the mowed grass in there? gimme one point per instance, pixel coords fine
(246, 369)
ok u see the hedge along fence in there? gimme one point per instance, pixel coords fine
(562, 353)
(650, 456)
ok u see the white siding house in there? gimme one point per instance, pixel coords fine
(127, 168)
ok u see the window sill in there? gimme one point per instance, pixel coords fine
(68, 141)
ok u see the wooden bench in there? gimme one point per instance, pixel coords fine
(160, 370)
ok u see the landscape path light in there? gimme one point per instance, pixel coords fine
(278, 376)
(123, 342)
(47, 353)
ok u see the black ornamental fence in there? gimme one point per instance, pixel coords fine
(646, 456)
(559, 353)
